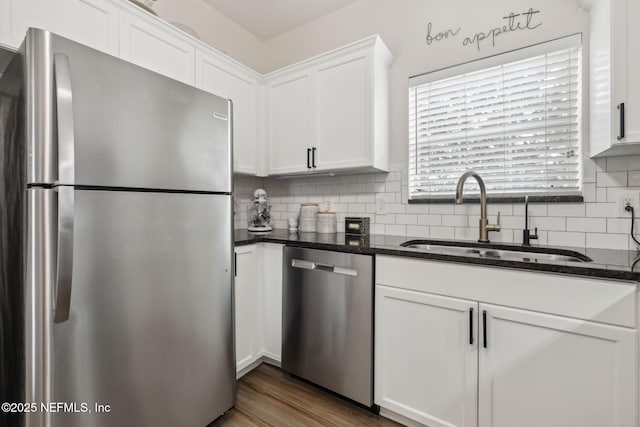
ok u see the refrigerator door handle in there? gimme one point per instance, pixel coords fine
(65, 253)
(64, 108)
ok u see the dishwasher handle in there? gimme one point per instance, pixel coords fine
(311, 265)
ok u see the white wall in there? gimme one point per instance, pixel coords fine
(214, 28)
(402, 24)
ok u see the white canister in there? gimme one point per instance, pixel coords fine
(327, 222)
(308, 217)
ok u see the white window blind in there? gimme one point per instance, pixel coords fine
(516, 123)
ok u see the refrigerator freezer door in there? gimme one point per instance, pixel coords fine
(150, 330)
(132, 128)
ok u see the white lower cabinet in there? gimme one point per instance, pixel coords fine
(450, 361)
(258, 305)
(246, 305)
(544, 370)
(426, 358)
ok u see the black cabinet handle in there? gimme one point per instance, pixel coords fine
(313, 157)
(484, 328)
(235, 264)
(308, 158)
(471, 326)
(621, 109)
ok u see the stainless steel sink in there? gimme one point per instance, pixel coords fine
(505, 252)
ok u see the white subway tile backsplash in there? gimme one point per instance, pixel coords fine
(589, 192)
(600, 210)
(407, 219)
(396, 208)
(566, 238)
(385, 219)
(594, 225)
(588, 170)
(454, 220)
(418, 208)
(393, 186)
(444, 209)
(634, 178)
(594, 222)
(442, 232)
(418, 231)
(550, 223)
(623, 163)
(366, 198)
(612, 179)
(430, 219)
(566, 209)
(607, 241)
(396, 230)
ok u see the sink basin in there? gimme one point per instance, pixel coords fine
(505, 252)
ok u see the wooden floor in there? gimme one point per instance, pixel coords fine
(269, 397)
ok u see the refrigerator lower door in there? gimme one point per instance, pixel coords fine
(149, 339)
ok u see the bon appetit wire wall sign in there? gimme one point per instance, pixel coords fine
(513, 22)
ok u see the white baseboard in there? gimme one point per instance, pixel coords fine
(271, 359)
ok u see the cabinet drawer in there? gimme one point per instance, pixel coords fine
(606, 301)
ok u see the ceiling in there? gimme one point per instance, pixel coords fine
(268, 18)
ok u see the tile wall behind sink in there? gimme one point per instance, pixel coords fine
(594, 223)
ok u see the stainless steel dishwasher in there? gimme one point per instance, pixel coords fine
(327, 320)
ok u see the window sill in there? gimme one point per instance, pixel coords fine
(503, 199)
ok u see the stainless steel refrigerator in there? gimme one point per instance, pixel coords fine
(117, 242)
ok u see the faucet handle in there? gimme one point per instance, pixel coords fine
(494, 227)
(534, 236)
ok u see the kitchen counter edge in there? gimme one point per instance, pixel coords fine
(607, 264)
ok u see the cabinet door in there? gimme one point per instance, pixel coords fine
(218, 77)
(91, 22)
(272, 300)
(344, 112)
(426, 356)
(246, 305)
(290, 123)
(542, 370)
(157, 48)
(16, 16)
(632, 56)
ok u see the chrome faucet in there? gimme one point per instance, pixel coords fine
(485, 227)
(526, 233)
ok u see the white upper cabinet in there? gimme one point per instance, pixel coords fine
(157, 47)
(223, 77)
(290, 131)
(330, 113)
(91, 22)
(614, 64)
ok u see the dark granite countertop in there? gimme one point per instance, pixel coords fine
(608, 264)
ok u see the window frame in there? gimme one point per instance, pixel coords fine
(488, 62)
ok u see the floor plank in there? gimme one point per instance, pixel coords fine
(269, 397)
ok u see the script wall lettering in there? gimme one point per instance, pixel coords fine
(513, 22)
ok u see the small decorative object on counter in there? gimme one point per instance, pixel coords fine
(259, 213)
(308, 217)
(293, 223)
(356, 225)
(327, 222)
(356, 240)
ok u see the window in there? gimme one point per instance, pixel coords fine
(514, 118)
